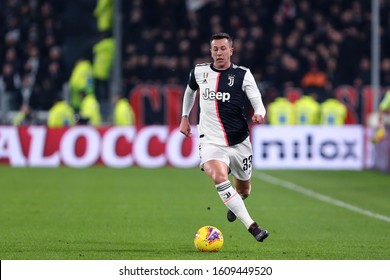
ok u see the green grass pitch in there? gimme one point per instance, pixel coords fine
(152, 214)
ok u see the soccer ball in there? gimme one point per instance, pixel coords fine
(208, 239)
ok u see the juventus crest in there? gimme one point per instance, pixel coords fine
(231, 80)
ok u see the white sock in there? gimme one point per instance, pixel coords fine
(234, 202)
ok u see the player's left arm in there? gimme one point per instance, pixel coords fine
(254, 96)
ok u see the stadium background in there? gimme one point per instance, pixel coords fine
(99, 213)
(159, 41)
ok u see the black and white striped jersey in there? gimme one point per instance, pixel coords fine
(222, 98)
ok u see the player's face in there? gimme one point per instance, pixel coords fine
(221, 51)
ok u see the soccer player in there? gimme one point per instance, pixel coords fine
(223, 130)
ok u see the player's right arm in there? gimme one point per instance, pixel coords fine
(188, 103)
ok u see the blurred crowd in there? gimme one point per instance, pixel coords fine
(312, 45)
(31, 55)
(309, 44)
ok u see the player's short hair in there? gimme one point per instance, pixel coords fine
(221, 35)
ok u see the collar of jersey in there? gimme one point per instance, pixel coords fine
(220, 70)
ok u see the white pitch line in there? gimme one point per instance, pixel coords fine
(294, 187)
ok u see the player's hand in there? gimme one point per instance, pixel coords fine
(257, 119)
(185, 127)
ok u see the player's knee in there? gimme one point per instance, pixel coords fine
(218, 177)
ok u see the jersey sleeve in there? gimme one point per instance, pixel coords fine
(192, 81)
(188, 101)
(189, 94)
(253, 93)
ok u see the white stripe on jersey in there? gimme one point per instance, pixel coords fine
(210, 125)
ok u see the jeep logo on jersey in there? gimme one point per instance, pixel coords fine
(212, 95)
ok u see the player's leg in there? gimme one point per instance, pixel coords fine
(218, 172)
(243, 187)
(215, 163)
(240, 157)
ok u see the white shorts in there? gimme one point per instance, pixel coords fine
(238, 157)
